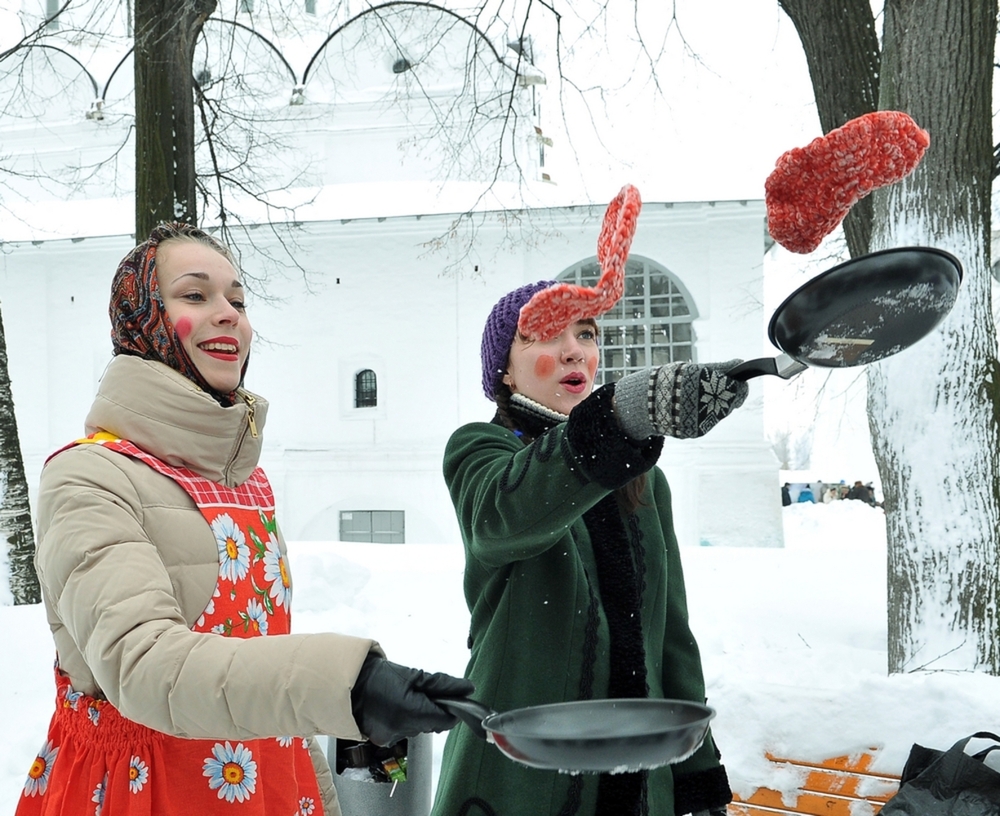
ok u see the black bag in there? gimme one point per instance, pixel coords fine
(947, 783)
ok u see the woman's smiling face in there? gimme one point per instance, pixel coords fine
(558, 373)
(203, 297)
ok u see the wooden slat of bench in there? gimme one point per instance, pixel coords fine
(853, 763)
(810, 803)
(750, 810)
(754, 810)
(874, 788)
(832, 787)
(757, 810)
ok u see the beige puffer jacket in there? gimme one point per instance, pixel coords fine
(127, 565)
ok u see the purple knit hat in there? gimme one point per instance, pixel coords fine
(498, 334)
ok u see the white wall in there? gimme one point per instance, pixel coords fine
(372, 292)
(373, 296)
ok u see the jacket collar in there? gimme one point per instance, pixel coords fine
(172, 418)
(530, 417)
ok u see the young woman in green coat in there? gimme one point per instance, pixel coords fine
(573, 575)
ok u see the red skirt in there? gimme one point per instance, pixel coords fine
(95, 761)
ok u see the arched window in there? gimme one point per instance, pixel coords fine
(649, 326)
(365, 389)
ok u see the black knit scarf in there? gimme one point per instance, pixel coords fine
(620, 592)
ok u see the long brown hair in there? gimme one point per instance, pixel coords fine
(629, 495)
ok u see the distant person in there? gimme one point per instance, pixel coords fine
(786, 496)
(831, 494)
(806, 495)
(862, 492)
(871, 495)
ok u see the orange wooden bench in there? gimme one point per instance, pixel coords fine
(840, 786)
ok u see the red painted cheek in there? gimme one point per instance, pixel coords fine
(544, 366)
(592, 366)
(183, 327)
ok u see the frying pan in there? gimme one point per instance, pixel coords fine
(860, 311)
(591, 736)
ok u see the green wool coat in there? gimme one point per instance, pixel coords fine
(528, 558)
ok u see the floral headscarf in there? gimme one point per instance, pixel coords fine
(140, 325)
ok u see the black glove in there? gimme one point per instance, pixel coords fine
(391, 702)
(702, 792)
(683, 400)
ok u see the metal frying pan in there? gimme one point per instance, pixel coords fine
(860, 311)
(591, 736)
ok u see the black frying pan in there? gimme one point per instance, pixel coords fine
(860, 311)
(591, 736)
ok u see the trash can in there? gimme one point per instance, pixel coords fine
(376, 781)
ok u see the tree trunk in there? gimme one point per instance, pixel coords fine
(15, 514)
(841, 48)
(165, 34)
(933, 410)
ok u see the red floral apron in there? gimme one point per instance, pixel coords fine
(97, 761)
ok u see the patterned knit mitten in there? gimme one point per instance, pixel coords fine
(682, 400)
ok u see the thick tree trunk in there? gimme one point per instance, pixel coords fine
(841, 48)
(15, 514)
(165, 34)
(933, 410)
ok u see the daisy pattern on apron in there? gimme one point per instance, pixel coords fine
(94, 760)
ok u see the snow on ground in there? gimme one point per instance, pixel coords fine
(793, 644)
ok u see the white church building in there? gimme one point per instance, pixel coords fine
(368, 333)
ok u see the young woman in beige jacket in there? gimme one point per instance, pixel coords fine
(165, 580)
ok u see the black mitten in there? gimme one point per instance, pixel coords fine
(700, 792)
(391, 702)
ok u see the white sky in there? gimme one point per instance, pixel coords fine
(734, 94)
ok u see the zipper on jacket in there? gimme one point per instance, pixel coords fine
(251, 425)
(251, 402)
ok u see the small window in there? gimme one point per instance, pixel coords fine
(51, 9)
(365, 389)
(373, 526)
(246, 5)
(310, 6)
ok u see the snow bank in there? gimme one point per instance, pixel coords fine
(793, 644)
